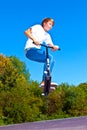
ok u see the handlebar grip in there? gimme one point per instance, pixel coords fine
(59, 49)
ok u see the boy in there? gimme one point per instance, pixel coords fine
(37, 34)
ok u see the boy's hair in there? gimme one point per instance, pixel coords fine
(45, 20)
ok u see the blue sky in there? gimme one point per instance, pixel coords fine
(69, 32)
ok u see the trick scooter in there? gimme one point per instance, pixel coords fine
(47, 79)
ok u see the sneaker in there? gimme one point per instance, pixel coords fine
(52, 89)
(53, 84)
(41, 84)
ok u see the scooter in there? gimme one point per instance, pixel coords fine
(47, 79)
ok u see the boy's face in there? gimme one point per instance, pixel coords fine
(48, 25)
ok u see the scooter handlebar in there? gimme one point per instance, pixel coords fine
(47, 46)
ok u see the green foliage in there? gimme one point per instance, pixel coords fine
(20, 66)
(19, 106)
(79, 108)
(21, 100)
(9, 74)
(18, 102)
(69, 97)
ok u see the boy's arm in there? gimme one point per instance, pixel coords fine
(28, 33)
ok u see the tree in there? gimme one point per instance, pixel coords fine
(20, 66)
(20, 99)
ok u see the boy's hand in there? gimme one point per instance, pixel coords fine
(55, 48)
(36, 42)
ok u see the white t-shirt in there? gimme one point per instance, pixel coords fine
(40, 35)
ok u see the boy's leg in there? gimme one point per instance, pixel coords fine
(52, 61)
(37, 55)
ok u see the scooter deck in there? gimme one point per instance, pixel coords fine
(51, 85)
